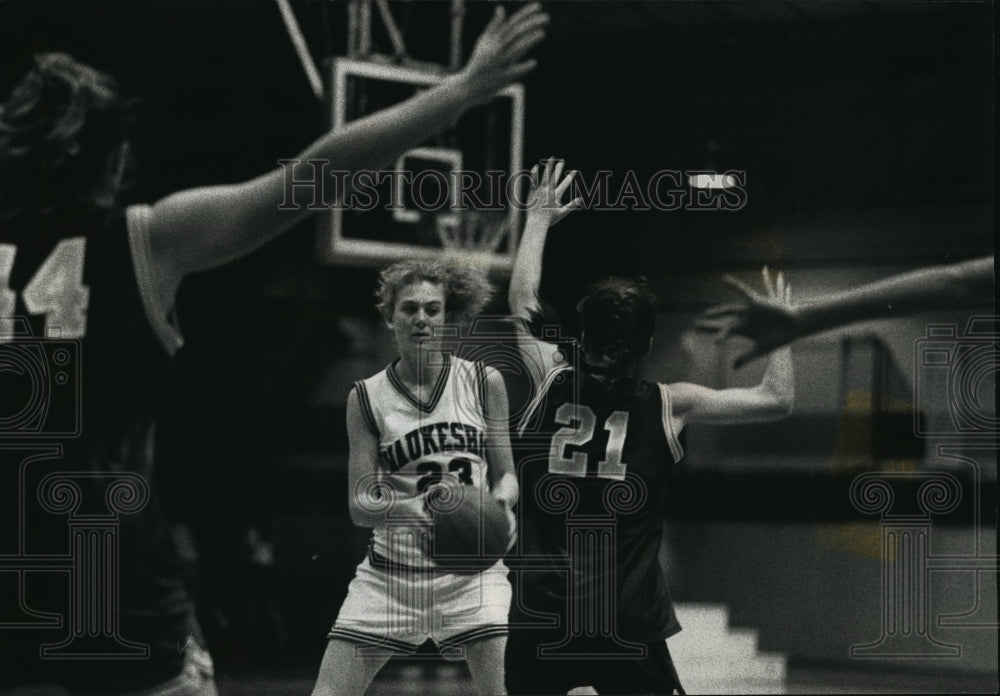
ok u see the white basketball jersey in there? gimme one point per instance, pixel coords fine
(420, 443)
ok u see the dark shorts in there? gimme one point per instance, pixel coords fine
(597, 662)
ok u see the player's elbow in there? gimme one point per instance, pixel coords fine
(361, 514)
(776, 405)
(355, 514)
(361, 519)
(787, 405)
(782, 405)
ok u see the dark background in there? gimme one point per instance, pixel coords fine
(866, 131)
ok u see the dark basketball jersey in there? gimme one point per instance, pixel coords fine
(81, 375)
(593, 457)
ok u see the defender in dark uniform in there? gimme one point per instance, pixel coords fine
(591, 606)
(100, 373)
(90, 581)
(590, 539)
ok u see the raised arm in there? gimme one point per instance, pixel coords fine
(545, 209)
(206, 227)
(772, 399)
(368, 503)
(770, 324)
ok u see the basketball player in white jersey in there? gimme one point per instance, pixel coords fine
(75, 265)
(426, 418)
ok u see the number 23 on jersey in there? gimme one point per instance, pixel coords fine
(611, 465)
(55, 290)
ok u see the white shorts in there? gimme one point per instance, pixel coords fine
(395, 610)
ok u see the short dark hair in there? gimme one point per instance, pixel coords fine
(618, 316)
(61, 132)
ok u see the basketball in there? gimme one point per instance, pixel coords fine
(470, 531)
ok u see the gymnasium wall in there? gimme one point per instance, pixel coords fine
(815, 590)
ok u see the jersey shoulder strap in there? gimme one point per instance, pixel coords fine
(147, 276)
(670, 428)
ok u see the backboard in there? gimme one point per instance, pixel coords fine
(451, 194)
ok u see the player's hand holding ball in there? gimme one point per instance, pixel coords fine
(472, 530)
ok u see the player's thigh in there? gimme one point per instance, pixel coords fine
(346, 670)
(464, 603)
(486, 663)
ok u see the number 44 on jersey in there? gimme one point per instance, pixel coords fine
(55, 290)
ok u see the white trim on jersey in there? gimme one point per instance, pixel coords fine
(439, 385)
(137, 221)
(481, 384)
(540, 397)
(669, 427)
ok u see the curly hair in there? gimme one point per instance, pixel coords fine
(63, 137)
(467, 288)
(618, 316)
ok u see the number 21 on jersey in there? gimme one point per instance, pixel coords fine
(56, 290)
(611, 466)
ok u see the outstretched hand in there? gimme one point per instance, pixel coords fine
(769, 321)
(498, 57)
(547, 192)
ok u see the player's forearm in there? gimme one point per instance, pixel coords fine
(778, 383)
(372, 142)
(205, 228)
(380, 138)
(503, 481)
(371, 514)
(526, 275)
(366, 512)
(366, 518)
(966, 283)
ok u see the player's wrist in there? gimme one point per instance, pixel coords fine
(801, 321)
(540, 211)
(473, 84)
